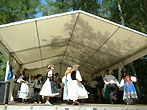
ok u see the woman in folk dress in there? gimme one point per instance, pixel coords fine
(77, 90)
(130, 93)
(24, 89)
(66, 81)
(46, 88)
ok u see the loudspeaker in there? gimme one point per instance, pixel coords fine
(4, 92)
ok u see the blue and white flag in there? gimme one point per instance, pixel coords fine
(9, 73)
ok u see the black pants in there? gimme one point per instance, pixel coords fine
(36, 95)
(113, 89)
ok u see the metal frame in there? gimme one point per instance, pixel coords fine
(38, 47)
(79, 60)
(9, 54)
(40, 18)
(102, 45)
(71, 35)
(38, 41)
(92, 50)
(79, 12)
(110, 22)
(43, 59)
(69, 13)
(126, 60)
(4, 50)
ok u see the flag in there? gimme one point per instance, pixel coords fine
(9, 73)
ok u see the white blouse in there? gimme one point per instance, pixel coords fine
(133, 78)
(50, 73)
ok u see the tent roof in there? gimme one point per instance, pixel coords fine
(73, 37)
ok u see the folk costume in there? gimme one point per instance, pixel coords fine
(111, 88)
(46, 88)
(37, 88)
(130, 93)
(66, 81)
(24, 89)
(76, 89)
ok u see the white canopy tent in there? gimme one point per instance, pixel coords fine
(71, 38)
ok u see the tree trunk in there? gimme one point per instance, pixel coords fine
(120, 14)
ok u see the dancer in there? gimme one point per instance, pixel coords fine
(37, 88)
(106, 89)
(24, 89)
(66, 81)
(46, 88)
(113, 88)
(77, 90)
(31, 89)
(130, 93)
(112, 84)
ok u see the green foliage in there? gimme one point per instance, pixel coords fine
(12, 11)
(141, 70)
(3, 62)
(17, 10)
(60, 6)
(133, 13)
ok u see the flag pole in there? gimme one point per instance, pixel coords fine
(11, 81)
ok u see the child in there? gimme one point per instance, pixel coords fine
(37, 88)
(31, 88)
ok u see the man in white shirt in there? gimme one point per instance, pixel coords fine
(112, 84)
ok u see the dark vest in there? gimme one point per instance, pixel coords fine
(26, 78)
(73, 75)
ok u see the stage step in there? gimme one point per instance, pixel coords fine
(72, 107)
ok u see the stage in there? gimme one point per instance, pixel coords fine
(20, 106)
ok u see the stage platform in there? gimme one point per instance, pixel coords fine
(19, 106)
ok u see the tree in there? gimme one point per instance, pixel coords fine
(12, 11)
(132, 12)
(3, 62)
(17, 10)
(141, 70)
(60, 6)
